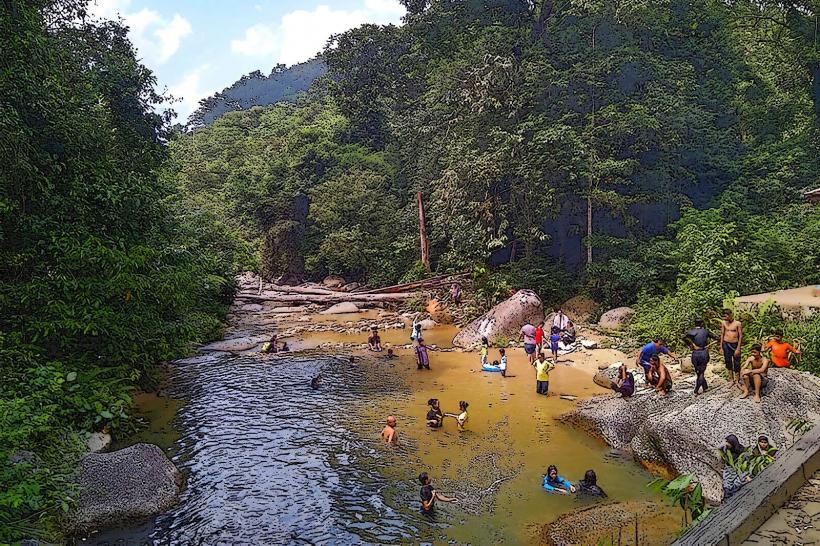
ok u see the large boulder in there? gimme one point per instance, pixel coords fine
(681, 432)
(502, 321)
(341, 308)
(580, 307)
(334, 281)
(616, 319)
(134, 483)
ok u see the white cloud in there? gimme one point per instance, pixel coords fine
(189, 91)
(301, 34)
(259, 40)
(155, 37)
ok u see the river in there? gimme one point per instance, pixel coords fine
(268, 460)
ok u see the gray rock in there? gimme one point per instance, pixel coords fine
(682, 432)
(235, 344)
(341, 308)
(589, 344)
(503, 320)
(22, 456)
(134, 483)
(98, 441)
(616, 319)
(428, 324)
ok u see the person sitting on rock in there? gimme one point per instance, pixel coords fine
(569, 334)
(270, 345)
(734, 478)
(625, 384)
(659, 376)
(555, 483)
(764, 447)
(589, 485)
(755, 372)
(374, 342)
(389, 433)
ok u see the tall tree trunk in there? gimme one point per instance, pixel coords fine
(589, 228)
(425, 247)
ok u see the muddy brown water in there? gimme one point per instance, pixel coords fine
(268, 460)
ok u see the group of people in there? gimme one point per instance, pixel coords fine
(561, 330)
(751, 376)
(272, 346)
(737, 471)
(588, 486)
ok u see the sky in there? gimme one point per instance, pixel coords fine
(199, 47)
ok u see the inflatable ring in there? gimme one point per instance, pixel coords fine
(490, 368)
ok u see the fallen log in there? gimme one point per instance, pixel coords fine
(326, 298)
(432, 282)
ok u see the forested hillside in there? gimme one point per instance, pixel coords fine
(644, 153)
(255, 89)
(584, 136)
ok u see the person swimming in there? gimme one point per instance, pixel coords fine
(435, 417)
(589, 485)
(315, 382)
(554, 483)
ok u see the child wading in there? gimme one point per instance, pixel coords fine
(542, 374)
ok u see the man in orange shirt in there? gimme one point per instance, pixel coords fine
(780, 350)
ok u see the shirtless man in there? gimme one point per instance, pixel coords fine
(731, 339)
(756, 373)
(389, 433)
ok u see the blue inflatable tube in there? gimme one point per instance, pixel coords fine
(490, 368)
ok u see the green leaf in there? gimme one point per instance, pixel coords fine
(71, 376)
(105, 414)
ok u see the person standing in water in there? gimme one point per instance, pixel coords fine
(462, 417)
(374, 342)
(435, 417)
(555, 483)
(756, 374)
(528, 336)
(698, 340)
(503, 362)
(542, 374)
(429, 496)
(389, 433)
(485, 351)
(731, 341)
(422, 358)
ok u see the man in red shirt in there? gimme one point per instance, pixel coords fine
(780, 350)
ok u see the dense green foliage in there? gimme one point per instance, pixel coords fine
(684, 130)
(99, 278)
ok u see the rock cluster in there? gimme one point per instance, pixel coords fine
(681, 432)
